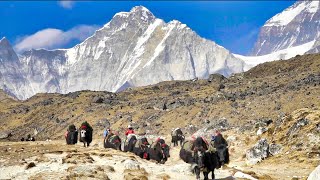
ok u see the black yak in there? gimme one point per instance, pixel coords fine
(141, 148)
(197, 154)
(131, 141)
(112, 141)
(159, 151)
(71, 135)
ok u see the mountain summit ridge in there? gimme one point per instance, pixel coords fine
(297, 25)
(133, 49)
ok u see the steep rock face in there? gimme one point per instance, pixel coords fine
(299, 24)
(44, 70)
(11, 78)
(134, 49)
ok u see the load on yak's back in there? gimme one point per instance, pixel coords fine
(177, 136)
(71, 134)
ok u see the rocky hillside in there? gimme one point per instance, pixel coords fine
(269, 114)
(270, 90)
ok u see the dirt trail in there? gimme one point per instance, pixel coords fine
(55, 160)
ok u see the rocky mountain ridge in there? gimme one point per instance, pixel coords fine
(134, 49)
(297, 25)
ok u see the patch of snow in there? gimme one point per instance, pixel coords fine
(159, 48)
(313, 6)
(252, 61)
(122, 14)
(102, 44)
(287, 15)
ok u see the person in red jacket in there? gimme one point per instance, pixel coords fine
(129, 130)
(129, 133)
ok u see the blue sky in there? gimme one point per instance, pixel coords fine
(52, 24)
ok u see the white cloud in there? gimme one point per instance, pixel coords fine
(66, 4)
(54, 38)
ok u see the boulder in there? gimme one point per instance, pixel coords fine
(315, 174)
(275, 149)
(258, 152)
(242, 175)
(131, 164)
(97, 99)
(294, 129)
(5, 134)
(216, 78)
(261, 130)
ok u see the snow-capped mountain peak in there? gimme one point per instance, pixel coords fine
(289, 14)
(4, 42)
(6, 51)
(133, 49)
(297, 25)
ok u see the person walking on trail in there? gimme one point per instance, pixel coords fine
(106, 132)
(221, 146)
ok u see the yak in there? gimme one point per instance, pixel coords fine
(128, 146)
(141, 148)
(112, 141)
(176, 136)
(72, 135)
(196, 153)
(159, 151)
(85, 137)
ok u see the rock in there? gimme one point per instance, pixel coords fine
(5, 134)
(216, 78)
(242, 175)
(103, 123)
(245, 127)
(131, 164)
(175, 104)
(263, 122)
(258, 152)
(231, 138)
(160, 106)
(97, 99)
(30, 165)
(275, 149)
(73, 95)
(296, 126)
(220, 124)
(315, 174)
(261, 130)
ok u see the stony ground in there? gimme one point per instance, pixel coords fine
(55, 160)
